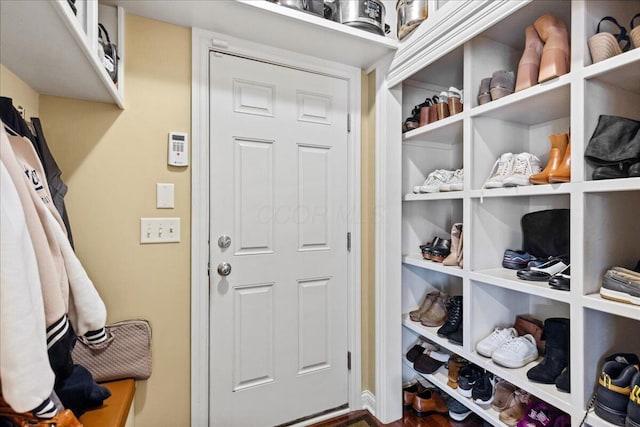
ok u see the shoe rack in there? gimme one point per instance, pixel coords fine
(605, 219)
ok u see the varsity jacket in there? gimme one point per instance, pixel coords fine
(70, 301)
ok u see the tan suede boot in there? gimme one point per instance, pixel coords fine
(556, 57)
(529, 65)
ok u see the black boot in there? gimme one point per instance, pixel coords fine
(563, 382)
(454, 321)
(556, 334)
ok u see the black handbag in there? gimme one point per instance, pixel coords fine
(546, 233)
(108, 52)
(615, 140)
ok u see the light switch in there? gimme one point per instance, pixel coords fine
(164, 196)
(159, 230)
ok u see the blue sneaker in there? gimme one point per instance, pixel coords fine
(516, 260)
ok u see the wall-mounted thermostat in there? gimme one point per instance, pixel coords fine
(178, 149)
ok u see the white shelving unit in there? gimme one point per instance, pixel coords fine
(605, 230)
(55, 51)
(271, 24)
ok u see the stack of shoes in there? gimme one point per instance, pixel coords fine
(513, 170)
(621, 284)
(618, 390)
(558, 168)
(604, 45)
(499, 85)
(555, 270)
(546, 54)
(452, 328)
(441, 180)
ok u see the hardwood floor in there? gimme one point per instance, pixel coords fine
(409, 419)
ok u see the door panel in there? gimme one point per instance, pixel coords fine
(278, 173)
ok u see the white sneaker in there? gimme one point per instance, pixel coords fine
(435, 180)
(516, 352)
(524, 165)
(455, 182)
(502, 168)
(488, 345)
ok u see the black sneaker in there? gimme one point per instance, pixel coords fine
(482, 392)
(614, 384)
(454, 321)
(468, 376)
(633, 408)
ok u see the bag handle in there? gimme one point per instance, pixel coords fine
(102, 29)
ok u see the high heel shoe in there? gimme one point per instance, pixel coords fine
(556, 154)
(555, 53)
(443, 106)
(455, 101)
(604, 45)
(424, 112)
(484, 94)
(529, 65)
(563, 172)
(433, 109)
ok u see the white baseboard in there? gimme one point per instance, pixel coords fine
(369, 402)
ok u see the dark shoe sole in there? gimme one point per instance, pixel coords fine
(611, 415)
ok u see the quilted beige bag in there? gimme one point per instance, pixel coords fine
(126, 353)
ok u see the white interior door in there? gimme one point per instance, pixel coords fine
(279, 192)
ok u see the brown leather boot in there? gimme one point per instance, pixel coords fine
(529, 65)
(455, 363)
(556, 56)
(558, 148)
(563, 172)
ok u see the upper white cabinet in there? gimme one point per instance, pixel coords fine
(55, 51)
(273, 25)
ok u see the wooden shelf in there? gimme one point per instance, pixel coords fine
(43, 43)
(274, 25)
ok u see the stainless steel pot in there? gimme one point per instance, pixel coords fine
(410, 14)
(367, 15)
(313, 6)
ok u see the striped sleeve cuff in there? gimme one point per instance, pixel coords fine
(46, 409)
(96, 337)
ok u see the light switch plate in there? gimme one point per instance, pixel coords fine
(164, 196)
(159, 230)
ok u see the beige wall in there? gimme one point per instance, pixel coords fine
(368, 194)
(22, 94)
(112, 159)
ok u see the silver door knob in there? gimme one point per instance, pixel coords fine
(224, 269)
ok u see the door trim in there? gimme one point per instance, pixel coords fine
(204, 42)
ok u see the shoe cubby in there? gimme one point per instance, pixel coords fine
(604, 334)
(424, 220)
(492, 137)
(621, 10)
(611, 238)
(496, 226)
(420, 158)
(496, 307)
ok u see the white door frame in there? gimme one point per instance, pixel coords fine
(203, 42)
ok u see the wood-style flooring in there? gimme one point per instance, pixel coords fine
(409, 419)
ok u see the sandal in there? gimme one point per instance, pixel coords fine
(635, 32)
(454, 100)
(425, 109)
(606, 45)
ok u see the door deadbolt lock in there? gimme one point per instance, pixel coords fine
(224, 241)
(224, 268)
